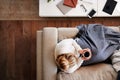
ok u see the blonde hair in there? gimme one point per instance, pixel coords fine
(66, 61)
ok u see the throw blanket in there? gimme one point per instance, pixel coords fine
(101, 40)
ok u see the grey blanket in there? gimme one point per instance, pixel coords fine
(101, 40)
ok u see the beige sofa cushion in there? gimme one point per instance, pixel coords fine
(50, 36)
(64, 33)
(94, 72)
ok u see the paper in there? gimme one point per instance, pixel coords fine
(118, 5)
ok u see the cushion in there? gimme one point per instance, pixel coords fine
(64, 33)
(48, 44)
(99, 71)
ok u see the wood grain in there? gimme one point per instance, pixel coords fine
(3, 51)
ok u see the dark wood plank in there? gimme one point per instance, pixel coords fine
(51, 23)
(19, 9)
(3, 51)
(27, 34)
(35, 26)
(66, 23)
(111, 21)
(10, 50)
(59, 23)
(22, 50)
(75, 23)
(19, 51)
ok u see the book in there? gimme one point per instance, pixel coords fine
(90, 1)
(70, 3)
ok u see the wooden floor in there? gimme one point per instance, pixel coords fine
(18, 43)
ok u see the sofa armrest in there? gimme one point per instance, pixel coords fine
(39, 54)
(50, 38)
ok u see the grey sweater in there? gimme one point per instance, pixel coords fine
(101, 40)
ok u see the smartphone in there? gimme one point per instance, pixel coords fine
(91, 13)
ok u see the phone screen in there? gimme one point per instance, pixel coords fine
(91, 13)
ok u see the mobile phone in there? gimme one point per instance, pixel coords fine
(91, 13)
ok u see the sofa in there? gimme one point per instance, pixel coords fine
(46, 66)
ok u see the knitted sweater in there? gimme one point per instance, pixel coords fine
(67, 46)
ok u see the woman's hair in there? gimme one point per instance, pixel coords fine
(66, 61)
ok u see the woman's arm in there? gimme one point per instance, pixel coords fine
(77, 47)
(80, 61)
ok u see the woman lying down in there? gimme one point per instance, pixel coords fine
(69, 55)
(94, 43)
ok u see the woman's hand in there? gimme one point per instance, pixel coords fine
(84, 50)
(85, 53)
